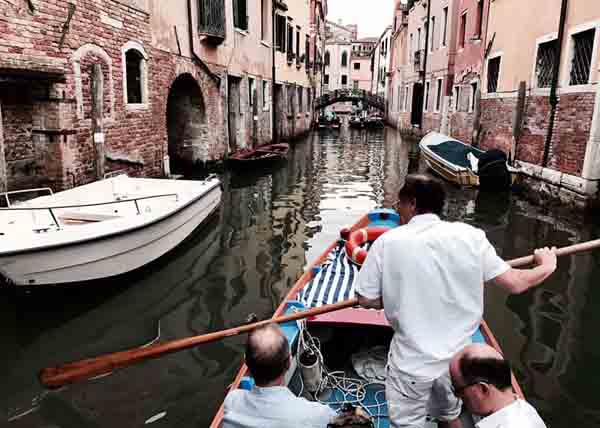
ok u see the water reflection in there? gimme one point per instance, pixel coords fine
(271, 224)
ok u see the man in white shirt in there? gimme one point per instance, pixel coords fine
(481, 377)
(428, 276)
(270, 404)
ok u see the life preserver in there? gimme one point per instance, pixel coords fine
(360, 237)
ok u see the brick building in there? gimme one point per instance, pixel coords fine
(90, 87)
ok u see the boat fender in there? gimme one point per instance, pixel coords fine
(360, 237)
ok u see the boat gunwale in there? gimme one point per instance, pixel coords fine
(109, 235)
(426, 148)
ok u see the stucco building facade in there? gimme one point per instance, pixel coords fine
(90, 87)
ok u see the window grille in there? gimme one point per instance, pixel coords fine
(582, 57)
(240, 14)
(212, 17)
(546, 59)
(493, 74)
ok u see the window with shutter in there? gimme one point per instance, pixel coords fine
(240, 14)
(211, 21)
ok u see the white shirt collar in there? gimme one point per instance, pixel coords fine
(499, 418)
(424, 219)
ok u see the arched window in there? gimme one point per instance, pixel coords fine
(327, 58)
(135, 78)
(345, 59)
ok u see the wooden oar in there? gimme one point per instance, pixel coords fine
(54, 377)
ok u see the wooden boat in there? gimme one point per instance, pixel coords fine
(329, 121)
(454, 160)
(99, 230)
(260, 156)
(356, 122)
(342, 334)
(374, 122)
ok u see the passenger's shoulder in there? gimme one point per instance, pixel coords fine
(234, 396)
(461, 227)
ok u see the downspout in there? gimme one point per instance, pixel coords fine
(425, 59)
(273, 76)
(553, 97)
(196, 58)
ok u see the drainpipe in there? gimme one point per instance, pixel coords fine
(425, 59)
(273, 76)
(553, 97)
(196, 58)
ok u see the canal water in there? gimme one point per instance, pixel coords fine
(243, 261)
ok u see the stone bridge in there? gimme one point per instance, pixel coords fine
(343, 95)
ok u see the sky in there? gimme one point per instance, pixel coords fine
(372, 16)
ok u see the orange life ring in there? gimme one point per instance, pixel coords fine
(360, 237)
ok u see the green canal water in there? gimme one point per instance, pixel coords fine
(245, 258)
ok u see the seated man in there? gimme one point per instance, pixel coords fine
(481, 377)
(270, 404)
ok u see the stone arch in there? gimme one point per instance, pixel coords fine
(187, 129)
(135, 48)
(78, 56)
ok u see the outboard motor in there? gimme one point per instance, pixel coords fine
(494, 175)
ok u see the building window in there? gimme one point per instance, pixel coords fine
(357, 65)
(327, 58)
(326, 79)
(307, 52)
(411, 47)
(432, 41)
(344, 80)
(438, 96)
(298, 45)
(445, 33)
(134, 65)
(290, 40)
(344, 59)
(583, 49)
(544, 65)
(419, 39)
(427, 87)
(251, 91)
(212, 17)
(463, 31)
(240, 14)
(457, 98)
(473, 95)
(479, 19)
(265, 95)
(356, 83)
(280, 23)
(493, 74)
(265, 15)
(309, 99)
(300, 100)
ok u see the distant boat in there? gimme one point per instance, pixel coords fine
(357, 122)
(464, 165)
(99, 230)
(329, 121)
(374, 122)
(261, 156)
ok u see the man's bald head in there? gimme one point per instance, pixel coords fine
(480, 363)
(267, 354)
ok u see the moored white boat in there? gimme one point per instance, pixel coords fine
(98, 230)
(454, 160)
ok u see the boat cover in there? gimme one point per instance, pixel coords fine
(455, 152)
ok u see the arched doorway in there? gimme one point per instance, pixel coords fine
(186, 123)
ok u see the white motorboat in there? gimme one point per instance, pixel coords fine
(98, 230)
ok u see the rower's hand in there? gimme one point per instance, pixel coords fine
(545, 257)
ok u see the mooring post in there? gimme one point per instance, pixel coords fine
(97, 113)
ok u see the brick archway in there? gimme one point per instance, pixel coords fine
(187, 129)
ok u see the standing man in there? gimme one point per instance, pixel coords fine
(429, 275)
(481, 377)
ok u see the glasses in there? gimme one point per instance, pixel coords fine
(458, 392)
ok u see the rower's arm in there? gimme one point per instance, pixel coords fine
(517, 281)
(370, 303)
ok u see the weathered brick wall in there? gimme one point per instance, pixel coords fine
(461, 126)
(571, 129)
(432, 122)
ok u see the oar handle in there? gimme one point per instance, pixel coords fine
(55, 377)
(564, 251)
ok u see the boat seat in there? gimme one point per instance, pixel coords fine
(75, 216)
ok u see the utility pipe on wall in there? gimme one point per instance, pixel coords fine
(553, 89)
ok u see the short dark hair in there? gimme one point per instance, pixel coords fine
(267, 362)
(495, 371)
(428, 193)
